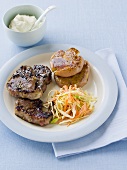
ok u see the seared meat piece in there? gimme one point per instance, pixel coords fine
(43, 73)
(28, 82)
(44, 76)
(31, 111)
(79, 79)
(66, 63)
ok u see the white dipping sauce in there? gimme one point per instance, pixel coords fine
(23, 23)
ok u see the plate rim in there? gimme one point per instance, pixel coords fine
(21, 130)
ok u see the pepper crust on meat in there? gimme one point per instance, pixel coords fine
(29, 82)
(31, 111)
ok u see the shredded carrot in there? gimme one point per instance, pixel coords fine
(83, 108)
(71, 104)
(65, 106)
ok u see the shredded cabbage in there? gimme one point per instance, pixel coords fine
(70, 104)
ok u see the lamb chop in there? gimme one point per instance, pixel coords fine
(31, 111)
(29, 82)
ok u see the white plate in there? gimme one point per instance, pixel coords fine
(102, 83)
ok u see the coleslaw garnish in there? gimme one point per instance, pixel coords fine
(70, 104)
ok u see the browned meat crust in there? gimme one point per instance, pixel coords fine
(28, 82)
(31, 111)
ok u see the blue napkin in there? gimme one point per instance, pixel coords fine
(114, 129)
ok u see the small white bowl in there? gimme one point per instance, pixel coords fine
(24, 39)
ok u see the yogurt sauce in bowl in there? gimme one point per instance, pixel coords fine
(18, 21)
(24, 23)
